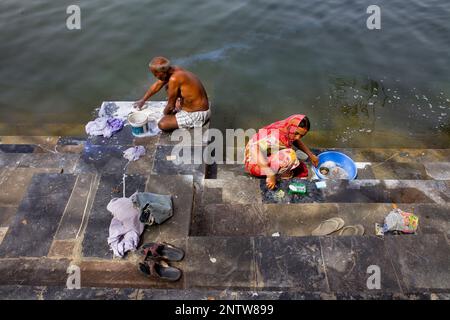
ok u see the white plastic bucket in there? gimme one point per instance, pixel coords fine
(152, 124)
(138, 122)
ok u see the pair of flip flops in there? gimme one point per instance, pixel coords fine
(337, 224)
(156, 258)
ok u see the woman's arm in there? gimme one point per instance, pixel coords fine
(260, 158)
(305, 149)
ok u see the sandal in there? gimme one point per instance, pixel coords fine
(159, 270)
(161, 251)
(328, 226)
(356, 230)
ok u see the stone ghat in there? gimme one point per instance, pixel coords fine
(54, 192)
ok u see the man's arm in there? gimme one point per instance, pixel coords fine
(172, 94)
(154, 88)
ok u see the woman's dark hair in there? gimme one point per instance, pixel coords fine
(305, 123)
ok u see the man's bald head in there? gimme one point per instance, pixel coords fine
(160, 65)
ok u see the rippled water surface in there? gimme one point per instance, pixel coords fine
(259, 60)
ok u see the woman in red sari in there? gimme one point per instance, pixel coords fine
(269, 152)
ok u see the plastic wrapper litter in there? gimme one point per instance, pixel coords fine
(398, 220)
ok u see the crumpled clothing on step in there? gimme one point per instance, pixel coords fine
(125, 229)
(104, 126)
(134, 153)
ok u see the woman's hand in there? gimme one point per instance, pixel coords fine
(271, 182)
(314, 160)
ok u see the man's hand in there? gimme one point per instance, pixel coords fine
(139, 104)
(271, 182)
(314, 160)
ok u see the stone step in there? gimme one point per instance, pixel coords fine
(299, 220)
(327, 265)
(376, 155)
(248, 190)
(23, 292)
(176, 229)
(173, 160)
(366, 170)
(33, 227)
(65, 162)
(41, 144)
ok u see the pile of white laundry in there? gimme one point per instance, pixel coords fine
(104, 126)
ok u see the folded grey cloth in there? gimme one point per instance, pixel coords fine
(154, 208)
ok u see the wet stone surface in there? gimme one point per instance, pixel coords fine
(17, 148)
(347, 260)
(61, 293)
(65, 162)
(217, 262)
(401, 171)
(71, 141)
(70, 144)
(181, 190)
(62, 248)
(123, 137)
(421, 262)
(438, 170)
(122, 274)
(6, 216)
(42, 272)
(33, 228)
(102, 159)
(10, 160)
(181, 160)
(21, 292)
(231, 220)
(284, 262)
(76, 207)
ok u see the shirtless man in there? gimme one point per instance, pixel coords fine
(187, 104)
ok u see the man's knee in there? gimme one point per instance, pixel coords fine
(163, 125)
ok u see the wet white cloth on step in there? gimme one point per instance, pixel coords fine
(104, 126)
(125, 229)
(134, 153)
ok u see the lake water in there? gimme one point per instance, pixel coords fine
(260, 61)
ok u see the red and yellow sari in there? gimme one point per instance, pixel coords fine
(275, 141)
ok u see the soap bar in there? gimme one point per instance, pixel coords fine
(297, 187)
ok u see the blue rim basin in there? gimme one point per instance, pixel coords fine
(342, 160)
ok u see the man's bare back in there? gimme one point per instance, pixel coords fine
(189, 89)
(184, 90)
